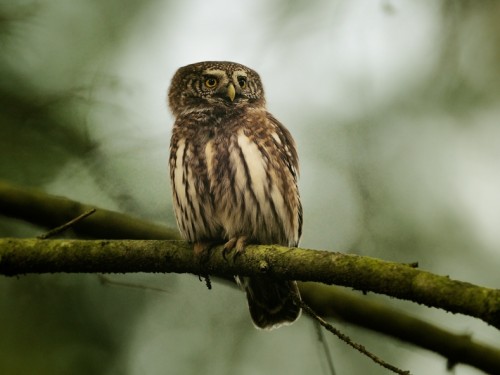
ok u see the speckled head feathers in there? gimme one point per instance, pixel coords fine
(214, 83)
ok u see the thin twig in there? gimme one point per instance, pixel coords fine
(346, 339)
(106, 280)
(324, 345)
(66, 226)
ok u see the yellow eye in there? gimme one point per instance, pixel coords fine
(210, 82)
(242, 81)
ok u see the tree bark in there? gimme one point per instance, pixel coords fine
(21, 256)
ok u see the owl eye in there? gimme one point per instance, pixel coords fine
(211, 82)
(242, 81)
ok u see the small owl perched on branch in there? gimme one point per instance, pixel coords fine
(234, 169)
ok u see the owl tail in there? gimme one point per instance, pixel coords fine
(270, 301)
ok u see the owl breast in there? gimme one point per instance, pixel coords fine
(234, 180)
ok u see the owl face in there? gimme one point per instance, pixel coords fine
(214, 84)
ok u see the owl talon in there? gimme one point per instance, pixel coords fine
(237, 244)
(228, 246)
(241, 243)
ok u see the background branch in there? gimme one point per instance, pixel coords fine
(50, 211)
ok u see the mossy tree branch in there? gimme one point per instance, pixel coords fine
(133, 256)
(20, 256)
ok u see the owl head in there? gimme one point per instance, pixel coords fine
(220, 84)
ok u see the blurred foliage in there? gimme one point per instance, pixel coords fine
(49, 53)
(48, 68)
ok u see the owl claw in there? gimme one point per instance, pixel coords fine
(228, 246)
(237, 244)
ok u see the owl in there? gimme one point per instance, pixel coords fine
(234, 170)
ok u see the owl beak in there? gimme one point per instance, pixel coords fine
(231, 92)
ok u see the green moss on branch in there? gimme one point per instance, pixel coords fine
(20, 256)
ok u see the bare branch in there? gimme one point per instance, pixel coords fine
(373, 314)
(360, 348)
(66, 226)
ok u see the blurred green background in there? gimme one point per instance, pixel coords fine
(395, 106)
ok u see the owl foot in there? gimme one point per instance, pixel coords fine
(237, 244)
